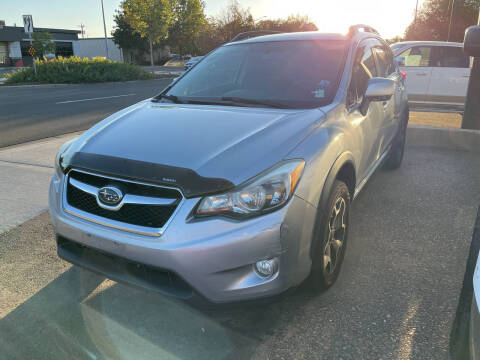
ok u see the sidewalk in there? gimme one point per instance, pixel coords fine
(25, 174)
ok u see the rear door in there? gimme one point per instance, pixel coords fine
(418, 67)
(449, 79)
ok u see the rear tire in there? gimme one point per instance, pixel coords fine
(395, 157)
(330, 238)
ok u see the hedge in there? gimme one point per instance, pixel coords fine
(77, 70)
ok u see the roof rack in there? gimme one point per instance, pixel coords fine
(355, 29)
(252, 34)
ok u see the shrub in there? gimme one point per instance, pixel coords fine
(77, 70)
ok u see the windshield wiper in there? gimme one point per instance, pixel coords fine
(267, 103)
(172, 98)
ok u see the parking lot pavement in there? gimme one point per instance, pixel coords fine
(395, 298)
(25, 173)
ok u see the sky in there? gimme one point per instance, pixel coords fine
(388, 16)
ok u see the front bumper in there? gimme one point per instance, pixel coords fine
(213, 257)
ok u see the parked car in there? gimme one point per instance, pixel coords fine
(437, 74)
(236, 181)
(192, 61)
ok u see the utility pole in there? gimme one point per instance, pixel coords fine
(82, 29)
(451, 19)
(105, 30)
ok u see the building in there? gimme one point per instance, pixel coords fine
(14, 44)
(93, 47)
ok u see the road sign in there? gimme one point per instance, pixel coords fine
(31, 50)
(28, 24)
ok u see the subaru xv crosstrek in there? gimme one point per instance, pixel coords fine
(235, 182)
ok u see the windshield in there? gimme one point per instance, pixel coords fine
(290, 74)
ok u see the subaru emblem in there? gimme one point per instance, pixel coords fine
(110, 195)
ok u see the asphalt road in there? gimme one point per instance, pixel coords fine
(38, 111)
(396, 297)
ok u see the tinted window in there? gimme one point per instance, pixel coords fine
(418, 56)
(63, 48)
(295, 73)
(452, 56)
(368, 62)
(363, 69)
(383, 68)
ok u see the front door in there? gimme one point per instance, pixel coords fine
(391, 108)
(367, 126)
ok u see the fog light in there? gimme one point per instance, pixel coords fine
(266, 268)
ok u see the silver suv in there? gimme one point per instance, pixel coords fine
(236, 181)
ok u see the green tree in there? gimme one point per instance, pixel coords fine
(234, 20)
(124, 36)
(189, 21)
(150, 19)
(433, 20)
(293, 23)
(43, 44)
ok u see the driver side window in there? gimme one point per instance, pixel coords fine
(363, 69)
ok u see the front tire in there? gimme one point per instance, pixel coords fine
(330, 238)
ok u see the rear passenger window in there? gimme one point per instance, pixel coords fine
(453, 56)
(385, 62)
(418, 56)
(368, 62)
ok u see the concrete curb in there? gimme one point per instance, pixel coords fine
(444, 138)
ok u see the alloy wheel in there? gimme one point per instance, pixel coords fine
(335, 237)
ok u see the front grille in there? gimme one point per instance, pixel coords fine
(146, 215)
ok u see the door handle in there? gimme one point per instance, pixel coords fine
(422, 74)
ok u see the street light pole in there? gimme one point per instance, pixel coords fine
(105, 30)
(416, 9)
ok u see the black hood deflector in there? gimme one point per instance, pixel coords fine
(187, 180)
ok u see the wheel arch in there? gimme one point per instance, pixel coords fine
(343, 169)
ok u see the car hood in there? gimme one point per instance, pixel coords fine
(200, 149)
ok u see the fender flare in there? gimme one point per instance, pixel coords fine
(344, 158)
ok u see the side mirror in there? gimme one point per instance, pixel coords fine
(471, 42)
(380, 89)
(400, 60)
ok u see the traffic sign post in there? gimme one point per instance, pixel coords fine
(28, 28)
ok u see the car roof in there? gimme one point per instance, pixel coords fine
(429, 43)
(306, 35)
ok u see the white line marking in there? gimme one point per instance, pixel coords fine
(91, 99)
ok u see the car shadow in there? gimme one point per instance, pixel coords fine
(81, 315)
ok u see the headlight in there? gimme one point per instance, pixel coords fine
(59, 169)
(266, 192)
